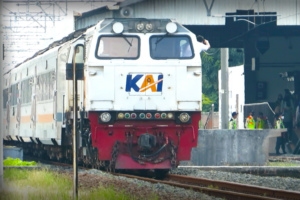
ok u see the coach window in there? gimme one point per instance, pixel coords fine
(26, 91)
(5, 97)
(14, 94)
(79, 56)
(171, 47)
(122, 47)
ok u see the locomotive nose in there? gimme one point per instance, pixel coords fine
(147, 141)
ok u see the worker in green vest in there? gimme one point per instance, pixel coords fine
(250, 122)
(280, 140)
(232, 122)
(261, 122)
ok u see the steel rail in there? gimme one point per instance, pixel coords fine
(242, 188)
(209, 191)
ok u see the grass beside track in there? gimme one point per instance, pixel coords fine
(49, 185)
(282, 164)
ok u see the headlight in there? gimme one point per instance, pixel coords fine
(118, 27)
(184, 117)
(105, 117)
(170, 115)
(149, 27)
(171, 27)
(140, 26)
(163, 115)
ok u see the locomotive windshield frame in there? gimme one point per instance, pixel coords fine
(126, 40)
(159, 42)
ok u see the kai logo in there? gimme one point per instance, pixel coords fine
(142, 83)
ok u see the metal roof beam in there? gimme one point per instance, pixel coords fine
(38, 4)
(61, 8)
(60, 1)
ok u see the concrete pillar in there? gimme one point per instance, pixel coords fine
(249, 71)
(1, 100)
(224, 89)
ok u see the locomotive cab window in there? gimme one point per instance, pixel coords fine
(171, 47)
(123, 47)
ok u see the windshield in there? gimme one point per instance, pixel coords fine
(118, 47)
(171, 47)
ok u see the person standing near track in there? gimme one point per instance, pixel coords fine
(288, 120)
(280, 140)
(278, 103)
(232, 122)
(261, 122)
(250, 122)
(298, 116)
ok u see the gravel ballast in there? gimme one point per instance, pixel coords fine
(283, 183)
(142, 189)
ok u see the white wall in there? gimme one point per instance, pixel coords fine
(236, 86)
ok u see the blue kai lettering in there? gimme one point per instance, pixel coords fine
(147, 83)
(131, 83)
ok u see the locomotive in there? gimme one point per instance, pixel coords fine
(139, 96)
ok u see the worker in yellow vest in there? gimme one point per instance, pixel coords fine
(261, 122)
(250, 122)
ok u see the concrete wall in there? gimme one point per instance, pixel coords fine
(13, 152)
(232, 147)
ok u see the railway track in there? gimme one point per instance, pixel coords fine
(222, 189)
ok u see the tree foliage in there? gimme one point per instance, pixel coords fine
(206, 100)
(211, 64)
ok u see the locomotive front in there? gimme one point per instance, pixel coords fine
(143, 93)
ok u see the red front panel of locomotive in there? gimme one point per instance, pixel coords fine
(144, 144)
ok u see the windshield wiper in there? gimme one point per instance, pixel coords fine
(130, 45)
(160, 39)
(127, 40)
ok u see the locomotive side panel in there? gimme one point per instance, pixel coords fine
(61, 95)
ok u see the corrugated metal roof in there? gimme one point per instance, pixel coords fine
(194, 12)
(91, 20)
(94, 16)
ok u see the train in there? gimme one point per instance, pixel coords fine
(139, 96)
